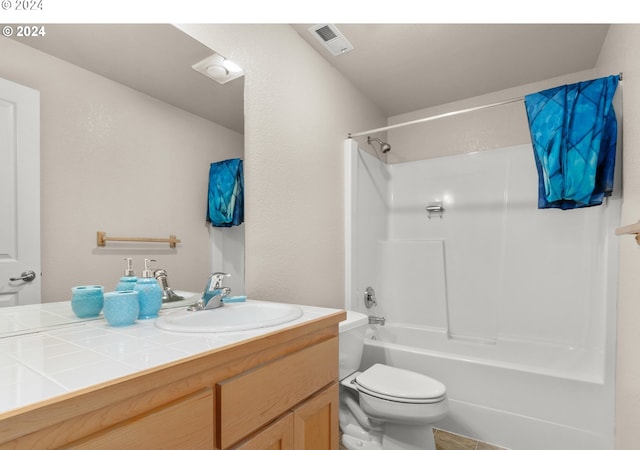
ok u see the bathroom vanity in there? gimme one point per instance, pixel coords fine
(274, 387)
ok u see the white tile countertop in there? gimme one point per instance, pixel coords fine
(54, 355)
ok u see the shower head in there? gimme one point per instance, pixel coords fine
(384, 147)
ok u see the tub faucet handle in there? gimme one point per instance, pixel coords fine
(370, 298)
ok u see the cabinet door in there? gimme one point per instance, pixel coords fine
(253, 399)
(316, 422)
(277, 436)
(184, 423)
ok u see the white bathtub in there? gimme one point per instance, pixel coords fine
(519, 395)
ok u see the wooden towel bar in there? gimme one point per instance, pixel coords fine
(102, 239)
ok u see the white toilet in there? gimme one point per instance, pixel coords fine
(384, 407)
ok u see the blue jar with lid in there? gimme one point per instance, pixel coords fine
(149, 293)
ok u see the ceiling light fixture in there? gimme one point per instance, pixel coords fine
(218, 68)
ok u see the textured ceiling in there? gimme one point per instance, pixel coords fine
(407, 67)
(400, 67)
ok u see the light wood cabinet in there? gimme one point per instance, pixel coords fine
(311, 425)
(278, 391)
(184, 423)
(276, 436)
(252, 399)
(316, 422)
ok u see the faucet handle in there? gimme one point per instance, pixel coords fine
(216, 280)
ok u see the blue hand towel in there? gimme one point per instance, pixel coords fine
(574, 135)
(225, 206)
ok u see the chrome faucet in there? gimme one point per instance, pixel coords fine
(167, 293)
(213, 293)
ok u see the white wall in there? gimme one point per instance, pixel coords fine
(298, 110)
(116, 160)
(227, 255)
(621, 53)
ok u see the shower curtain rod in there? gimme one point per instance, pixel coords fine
(440, 116)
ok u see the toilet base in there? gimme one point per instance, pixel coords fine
(395, 437)
(362, 432)
(381, 436)
(354, 443)
(354, 435)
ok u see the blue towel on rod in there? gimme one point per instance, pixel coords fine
(225, 206)
(574, 135)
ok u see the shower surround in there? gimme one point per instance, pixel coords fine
(511, 307)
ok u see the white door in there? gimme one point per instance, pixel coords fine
(19, 194)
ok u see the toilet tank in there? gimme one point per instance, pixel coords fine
(351, 342)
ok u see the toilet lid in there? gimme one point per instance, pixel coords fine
(400, 385)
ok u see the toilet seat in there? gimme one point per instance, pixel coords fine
(399, 385)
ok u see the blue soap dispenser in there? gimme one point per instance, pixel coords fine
(149, 293)
(128, 281)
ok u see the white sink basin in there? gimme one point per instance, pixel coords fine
(230, 317)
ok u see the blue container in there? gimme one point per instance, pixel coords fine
(149, 297)
(87, 301)
(126, 284)
(121, 308)
(128, 281)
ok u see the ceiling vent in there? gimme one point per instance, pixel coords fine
(218, 68)
(331, 38)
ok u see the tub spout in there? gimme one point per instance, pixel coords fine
(373, 320)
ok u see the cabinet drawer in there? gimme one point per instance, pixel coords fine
(184, 423)
(252, 399)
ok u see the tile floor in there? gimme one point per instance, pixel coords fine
(450, 441)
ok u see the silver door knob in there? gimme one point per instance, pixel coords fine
(29, 275)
